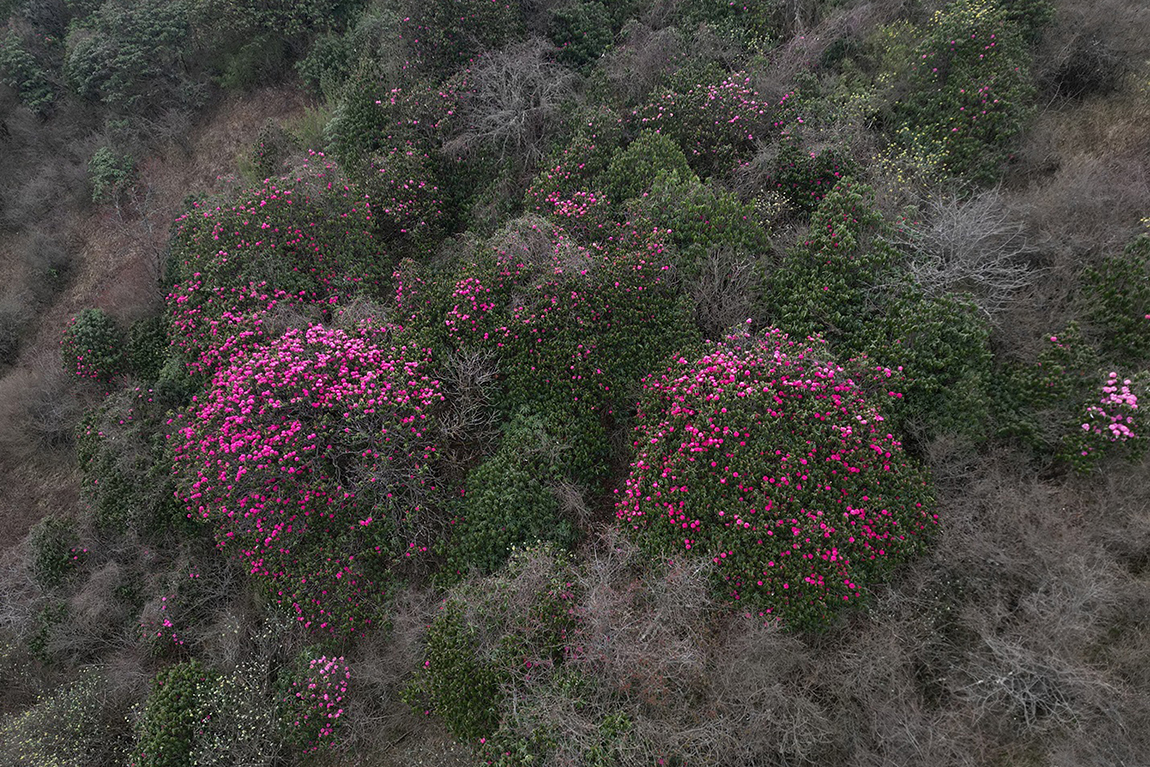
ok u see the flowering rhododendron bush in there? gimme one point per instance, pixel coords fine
(312, 458)
(970, 87)
(715, 123)
(563, 320)
(768, 459)
(305, 240)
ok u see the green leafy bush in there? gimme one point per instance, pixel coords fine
(768, 459)
(804, 178)
(147, 347)
(450, 33)
(634, 168)
(131, 57)
(510, 500)
(493, 634)
(844, 283)
(55, 550)
(174, 715)
(715, 122)
(26, 73)
(1117, 293)
(582, 32)
(122, 452)
(93, 346)
(970, 90)
(110, 174)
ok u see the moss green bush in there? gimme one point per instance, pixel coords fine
(492, 634)
(634, 168)
(93, 346)
(174, 715)
(970, 90)
(845, 283)
(1117, 297)
(55, 550)
(510, 500)
(582, 32)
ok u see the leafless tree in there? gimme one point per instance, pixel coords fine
(971, 245)
(514, 103)
(722, 292)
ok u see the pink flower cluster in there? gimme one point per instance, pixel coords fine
(766, 458)
(295, 443)
(317, 701)
(1113, 417)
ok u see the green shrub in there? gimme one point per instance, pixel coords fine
(582, 32)
(273, 145)
(46, 626)
(634, 168)
(109, 174)
(970, 90)
(844, 283)
(450, 33)
(493, 634)
(55, 550)
(509, 500)
(147, 347)
(260, 60)
(1117, 294)
(697, 217)
(24, 73)
(804, 178)
(327, 65)
(93, 346)
(174, 715)
(131, 56)
(122, 452)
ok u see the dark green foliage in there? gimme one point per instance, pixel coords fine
(454, 683)
(942, 345)
(844, 284)
(698, 217)
(173, 715)
(109, 174)
(804, 178)
(93, 346)
(55, 550)
(633, 169)
(147, 349)
(46, 625)
(970, 90)
(127, 470)
(26, 73)
(326, 65)
(131, 56)
(582, 32)
(714, 116)
(510, 500)
(260, 60)
(451, 33)
(1117, 295)
(492, 635)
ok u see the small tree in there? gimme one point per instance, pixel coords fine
(93, 346)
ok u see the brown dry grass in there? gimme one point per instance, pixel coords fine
(118, 257)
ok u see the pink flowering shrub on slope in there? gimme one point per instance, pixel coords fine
(295, 241)
(311, 457)
(769, 460)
